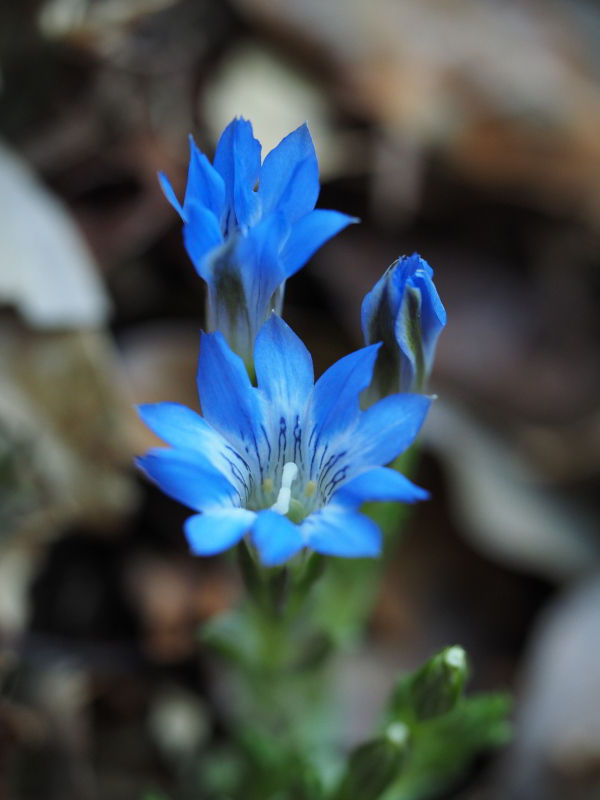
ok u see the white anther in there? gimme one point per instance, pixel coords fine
(288, 476)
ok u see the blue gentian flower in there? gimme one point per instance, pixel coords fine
(405, 313)
(249, 226)
(287, 462)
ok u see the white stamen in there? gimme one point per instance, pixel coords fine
(288, 476)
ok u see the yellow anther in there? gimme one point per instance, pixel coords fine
(310, 489)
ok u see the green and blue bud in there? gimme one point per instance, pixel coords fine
(404, 311)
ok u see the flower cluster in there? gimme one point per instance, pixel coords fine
(276, 456)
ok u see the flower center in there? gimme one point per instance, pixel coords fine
(288, 493)
(288, 476)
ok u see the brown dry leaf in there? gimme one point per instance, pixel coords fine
(509, 94)
(63, 436)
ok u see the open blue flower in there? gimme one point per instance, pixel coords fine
(249, 226)
(405, 313)
(288, 462)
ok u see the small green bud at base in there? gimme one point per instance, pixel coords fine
(373, 766)
(436, 688)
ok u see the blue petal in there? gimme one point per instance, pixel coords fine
(218, 530)
(237, 159)
(187, 477)
(437, 310)
(379, 484)
(201, 235)
(289, 176)
(387, 428)
(276, 538)
(403, 337)
(368, 310)
(204, 184)
(246, 284)
(181, 427)
(229, 401)
(381, 306)
(308, 234)
(433, 317)
(335, 399)
(336, 531)
(283, 365)
(169, 193)
(257, 253)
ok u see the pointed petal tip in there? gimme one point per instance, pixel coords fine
(144, 410)
(343, 220)
(169, 193)
(302, 131)
(147, 461)
(419, 495)
(213, 339)
(310, 233)
(381, 484)
(350, 219)
(194, 149)
(240, 122)
(212, 344)
(275, 321)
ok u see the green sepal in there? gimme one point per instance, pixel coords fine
(434, 689)
(374, 765)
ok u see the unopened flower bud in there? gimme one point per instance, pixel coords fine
(435, 688)
(404, 311)
(373, 766)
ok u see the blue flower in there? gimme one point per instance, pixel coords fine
(288, 462)
(405, 313)
(248, 227)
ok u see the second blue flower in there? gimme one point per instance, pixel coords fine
(249, 226)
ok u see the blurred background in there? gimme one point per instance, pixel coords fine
(466, 131)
